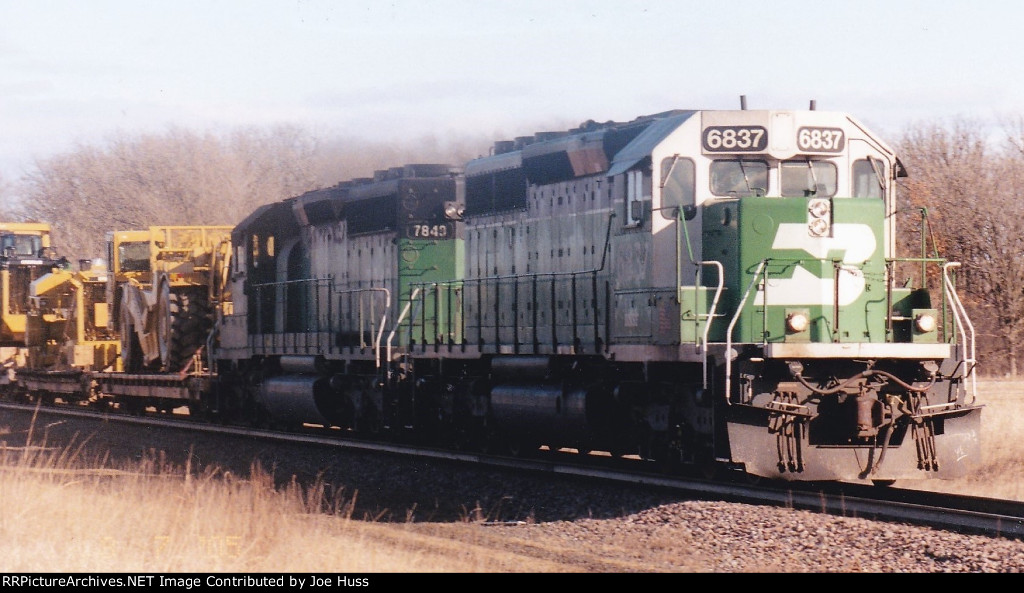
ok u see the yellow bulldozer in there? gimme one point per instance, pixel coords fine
(165, 287)
(25, 255)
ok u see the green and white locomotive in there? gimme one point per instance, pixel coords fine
(719, 288)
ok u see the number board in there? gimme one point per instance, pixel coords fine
(444, 230)
(829, 140)
(735, 139)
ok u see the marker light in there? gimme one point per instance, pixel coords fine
(819, 223)
(819, 208)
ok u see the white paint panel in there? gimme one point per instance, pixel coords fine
(856, 240)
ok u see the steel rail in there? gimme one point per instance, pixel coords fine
(966, 514)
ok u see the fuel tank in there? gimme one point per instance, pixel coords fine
(541, 413)
(293, 399)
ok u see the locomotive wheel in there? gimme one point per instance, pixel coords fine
(709, 468)
(369, 420)
(521, 447)
(516, 448)
(461, 440)
(132, 406)
(198, 411)
(662, 455)
(102, 404)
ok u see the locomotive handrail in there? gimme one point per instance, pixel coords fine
(383, 318)
(328, 282)
(711, 313)
(387, 307)
(966, 337)
(282, 299)
(425, 288)
(398, 324)
(211, 339)
(961, 321)
(482, 279)
(683, 237)
(534, 280)
(962, 325)
(732, 324)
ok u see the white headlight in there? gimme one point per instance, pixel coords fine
(797, 322)
(925, 323)
(452, 211)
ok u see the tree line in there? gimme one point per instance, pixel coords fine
(964, 181)
(183, 177)
(970, 182)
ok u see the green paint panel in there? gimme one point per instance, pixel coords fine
(695, 307)
(801, 270)
(422, 263)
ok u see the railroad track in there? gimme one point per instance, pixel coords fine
(964, 514)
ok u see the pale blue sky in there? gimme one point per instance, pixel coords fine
(79, 72)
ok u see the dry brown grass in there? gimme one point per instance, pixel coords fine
(1001, 473)
(63, 512)
(60, 511)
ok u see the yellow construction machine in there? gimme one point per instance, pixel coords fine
(25, 255)
(165, 286)
(66, 332)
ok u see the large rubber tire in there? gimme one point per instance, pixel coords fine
(190, 323)
(131, 350)
(164, 329)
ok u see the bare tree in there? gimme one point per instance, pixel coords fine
(6, 207)
(970, 191)
(178, 178)
(184, 177)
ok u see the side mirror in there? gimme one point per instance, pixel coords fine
(636, 213)
(689, 212)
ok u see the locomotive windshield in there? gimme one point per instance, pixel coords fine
(808, 178)
(739, 177)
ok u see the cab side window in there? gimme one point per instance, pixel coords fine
(869, 177)
(638, 191)
(134, 257)
(678, 187)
